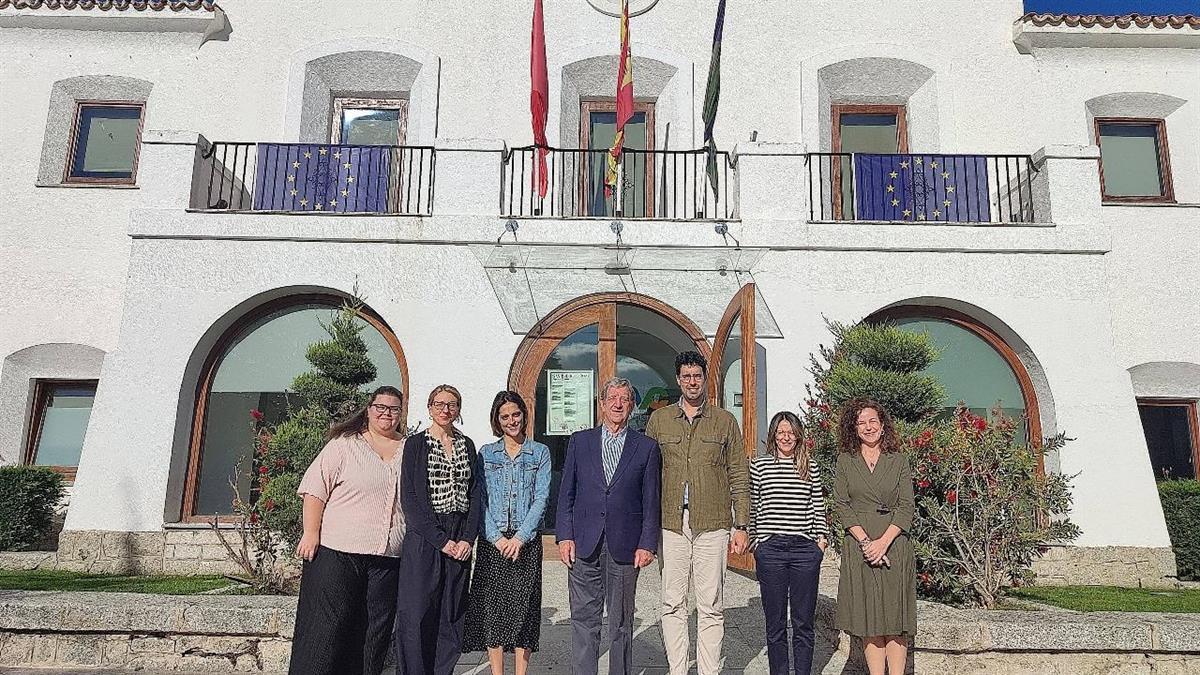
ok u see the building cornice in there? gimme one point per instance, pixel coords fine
(1052, 31)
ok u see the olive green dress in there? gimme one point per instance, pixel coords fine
(874, 601)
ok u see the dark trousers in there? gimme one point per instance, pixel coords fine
(432, 603)
(592, 583)
(788, 568)
(345, 614)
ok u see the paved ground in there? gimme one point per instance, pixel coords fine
(744, 651)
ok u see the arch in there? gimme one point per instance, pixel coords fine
(1019, 357)
(876, 73)
(572, 315)
(233, 327)
(18, 376)
(365, 65)
(1166, 379)
(64, 95)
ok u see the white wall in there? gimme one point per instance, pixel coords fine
(1077, 295)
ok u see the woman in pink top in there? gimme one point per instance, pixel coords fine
(353, 526)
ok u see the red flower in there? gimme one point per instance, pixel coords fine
(924, 439)
(923, 483)
(980, 424)
(935, 458)
(812, 402)
(269, 504)
(952, 496)
(924, 577)
(824, 407)
(253, 518)
(824, 425)
(810, 443)
(257, 414)
(262, 469)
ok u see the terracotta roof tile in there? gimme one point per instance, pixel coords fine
(106, 5)
(1123, 21)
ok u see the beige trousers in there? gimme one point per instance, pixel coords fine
(702, 558)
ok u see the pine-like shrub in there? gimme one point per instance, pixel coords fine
(28, 495)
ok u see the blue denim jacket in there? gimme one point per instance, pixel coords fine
(515, 490)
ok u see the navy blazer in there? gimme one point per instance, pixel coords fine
(626, 512)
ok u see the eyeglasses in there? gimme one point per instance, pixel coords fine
(444, 405)
(692, 376)
(381, 409)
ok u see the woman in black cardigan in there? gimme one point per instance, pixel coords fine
(441, 493)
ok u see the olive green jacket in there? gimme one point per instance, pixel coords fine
(709, 456)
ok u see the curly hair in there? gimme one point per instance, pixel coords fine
(848, 426)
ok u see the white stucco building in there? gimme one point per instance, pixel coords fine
(188, 185)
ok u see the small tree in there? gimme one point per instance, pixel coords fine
(985, 509)
(271, 515)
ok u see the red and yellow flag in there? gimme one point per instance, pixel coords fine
(539, 95)
(624, 102)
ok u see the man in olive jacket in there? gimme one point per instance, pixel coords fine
(705, 497)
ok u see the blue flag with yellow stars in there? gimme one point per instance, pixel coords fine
(312, 177)
(947, 188)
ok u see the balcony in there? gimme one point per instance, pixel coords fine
(988, 189)
(655, 184)
(314, 178)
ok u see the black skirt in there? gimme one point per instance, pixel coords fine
(505, 608)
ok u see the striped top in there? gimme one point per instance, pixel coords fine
(614, 445)
(782, 503)
(362, 509)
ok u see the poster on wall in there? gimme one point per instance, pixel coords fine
(569, 402)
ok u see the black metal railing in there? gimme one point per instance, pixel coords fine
(920, 187)
(667, 184)
(315, 178)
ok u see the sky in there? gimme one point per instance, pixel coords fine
(1113, 6)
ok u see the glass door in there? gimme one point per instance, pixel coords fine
(868, 129)
(733, 381)
(598, 127)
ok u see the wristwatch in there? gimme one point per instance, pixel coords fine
(740, 528)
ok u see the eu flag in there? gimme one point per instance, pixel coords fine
(947, 188)
(311, 177)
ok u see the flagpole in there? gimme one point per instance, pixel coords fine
(619, 206)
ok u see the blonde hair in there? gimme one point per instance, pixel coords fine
(801, 455)
(449, 389)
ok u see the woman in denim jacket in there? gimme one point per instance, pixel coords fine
(504, 612)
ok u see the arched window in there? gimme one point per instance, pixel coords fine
(976, 366)
(251, 368)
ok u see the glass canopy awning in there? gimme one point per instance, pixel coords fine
(530, 280)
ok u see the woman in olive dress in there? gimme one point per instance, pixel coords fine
(874, 505)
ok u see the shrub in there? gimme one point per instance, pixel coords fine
(28, 495)
(1181, 506)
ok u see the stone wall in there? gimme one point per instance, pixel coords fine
(1130, 566)
(253, 634)
(176, 551)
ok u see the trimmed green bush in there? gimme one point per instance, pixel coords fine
(1181, 506)
(28, 495)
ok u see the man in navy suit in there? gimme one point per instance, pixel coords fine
(607, 528)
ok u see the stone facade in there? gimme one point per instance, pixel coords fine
(180, 551)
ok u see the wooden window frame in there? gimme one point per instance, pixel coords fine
(588, 106)
(340, 103)
(897, 109)
(1193, 423)
(42, 389)
(1164, 160)
(213, 362)
(983, 332)
(73, 147)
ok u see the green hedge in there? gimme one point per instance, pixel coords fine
(28, 495)
(1181, 506)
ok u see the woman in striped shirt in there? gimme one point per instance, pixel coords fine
(787, 530)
